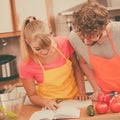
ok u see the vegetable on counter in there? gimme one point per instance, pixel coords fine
(105, 97)
(105, 102)
(115, 104)
(101, 107)
(90, 110)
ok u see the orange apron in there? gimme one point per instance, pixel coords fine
(106, 71)
(58, 83)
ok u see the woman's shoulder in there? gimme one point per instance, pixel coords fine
(73, 35)
(62, 41)
(25, 63)
(64, 45)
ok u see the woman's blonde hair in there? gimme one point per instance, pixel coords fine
(91, 19)
(33, 30)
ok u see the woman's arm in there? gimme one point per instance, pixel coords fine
(30, 88)
(78, 76)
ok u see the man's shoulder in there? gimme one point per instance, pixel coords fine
(72, 34)
(73, 37)
(115, 24)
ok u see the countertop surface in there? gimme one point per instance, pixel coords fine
(28, 110)
(16, 81)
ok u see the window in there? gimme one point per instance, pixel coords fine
(13, 12)
(5, 16)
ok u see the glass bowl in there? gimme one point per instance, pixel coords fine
(11, 104)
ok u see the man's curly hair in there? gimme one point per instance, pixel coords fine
(91, 19)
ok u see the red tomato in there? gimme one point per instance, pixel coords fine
(101, 107)
(115, 104)
(105, 97)
(101, 97)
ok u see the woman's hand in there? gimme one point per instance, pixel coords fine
(51, 105)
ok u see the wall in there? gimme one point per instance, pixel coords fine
(62, 5)
(113, 3)
(61, 25)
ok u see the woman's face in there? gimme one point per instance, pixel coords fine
(41, 52)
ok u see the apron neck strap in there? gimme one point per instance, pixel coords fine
(38, 61)
(110, 40)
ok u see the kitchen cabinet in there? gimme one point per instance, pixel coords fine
(9, 19)
(13, 13)
(5, 16)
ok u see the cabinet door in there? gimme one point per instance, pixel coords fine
(5, 17)
(13, 13)
(27, 8)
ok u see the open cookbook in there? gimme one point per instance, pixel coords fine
(68, 109)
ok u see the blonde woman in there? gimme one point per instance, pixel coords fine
(50, 62)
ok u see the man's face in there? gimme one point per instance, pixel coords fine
(91, 41)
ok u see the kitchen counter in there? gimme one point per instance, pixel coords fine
(8, 82)
(27, 111)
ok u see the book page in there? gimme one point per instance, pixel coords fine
(60, 113)
(76, 103)
(67, 112)
(68, 109)
(42, 115)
